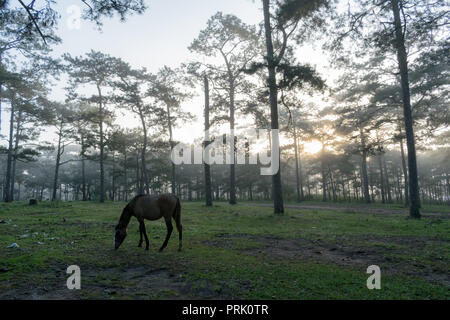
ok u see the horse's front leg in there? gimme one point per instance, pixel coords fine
(143, 231)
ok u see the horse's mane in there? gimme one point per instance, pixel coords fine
(125, 216)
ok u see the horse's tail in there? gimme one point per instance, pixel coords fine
(177, 217)
(177, 212)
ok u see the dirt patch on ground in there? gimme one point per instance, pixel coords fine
(135, 282)
(349, 252)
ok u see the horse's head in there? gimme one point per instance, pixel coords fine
(119, 236)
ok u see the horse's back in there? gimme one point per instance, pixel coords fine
(153, 207)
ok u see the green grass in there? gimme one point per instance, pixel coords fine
(426, 208)
(229, 252)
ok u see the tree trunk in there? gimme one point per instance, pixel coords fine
(447, 184)
(143, 153)
(7, 188)
(232, 146)
(58, 160)
(125, 176)
(1, 91)
(189, 186)
(208, 197)
(139, 189)
(405, 172)
(365, 178)
(83, 170)
(399, 191)
(172, 145)
(102, 148)
(414, 209)
(380, 165)
(387, 184)
(322, 169)
(14, 158)
(300, 174)
(113, 177)
(308, 185)
(277, 193)
(297, 169)
(332, 183)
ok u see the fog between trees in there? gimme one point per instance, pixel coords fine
(383, 135)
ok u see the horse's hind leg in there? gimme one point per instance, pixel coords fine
(143, 231)
(180, 233)
(169, 232)
(141, 239)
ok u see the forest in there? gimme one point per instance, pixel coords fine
(366, 127)
(360, 138)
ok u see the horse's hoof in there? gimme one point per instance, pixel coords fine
(179, 249)
(139, 245)
(146, 248)
(161, 250)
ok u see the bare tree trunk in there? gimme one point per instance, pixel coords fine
(83, 170)
(102, 148)
(125, 176)
(139, 189)
(57, 164)
(231, 79)
(143, 153)
(333, 185)
(447, 184)
(14, 158)
(322, 169)
(1, 91)
(365, 179)
(189, 187)
(208, 197)
(113, 178)
(309, 186)
(399, 191)
(386, 177)
(7, 188)
(380, 165)
(405, 172)
(414, 209)
(172, 145)
(277, 193)
(297, 169)
(232, 146)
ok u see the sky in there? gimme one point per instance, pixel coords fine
(156, 38)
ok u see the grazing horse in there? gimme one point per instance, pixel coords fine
(150, 207)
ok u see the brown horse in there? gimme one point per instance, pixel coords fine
(150, 207)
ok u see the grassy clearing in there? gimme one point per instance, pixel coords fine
(229, 252)
(395, 207)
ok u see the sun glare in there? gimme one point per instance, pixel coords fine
(312, 147)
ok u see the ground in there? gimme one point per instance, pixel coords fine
(315, 251)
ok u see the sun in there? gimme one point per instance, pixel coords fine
(312, 147)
